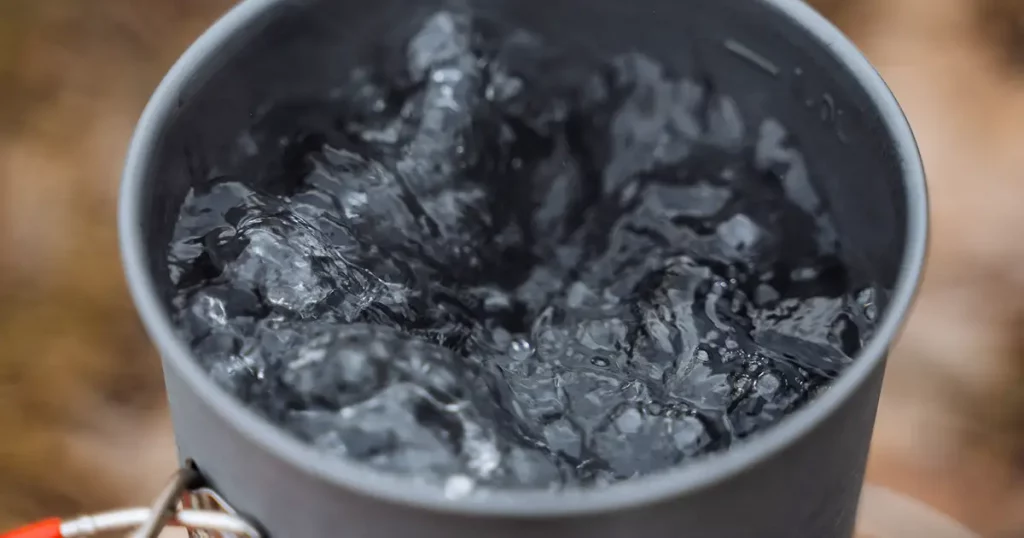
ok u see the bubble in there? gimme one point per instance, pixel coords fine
(458, 486)
(740, 233)
(768, 384)
(866, 299)
(520, 349)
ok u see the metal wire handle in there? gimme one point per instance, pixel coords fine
(165, 512)
(134, 518)
(166, 503)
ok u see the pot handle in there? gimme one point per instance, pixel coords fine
(183, 503)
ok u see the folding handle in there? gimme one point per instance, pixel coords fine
(181, 504)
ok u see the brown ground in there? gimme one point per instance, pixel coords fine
(82, 423)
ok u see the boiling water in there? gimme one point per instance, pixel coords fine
(488, 264)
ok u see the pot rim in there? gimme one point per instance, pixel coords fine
(696, 476)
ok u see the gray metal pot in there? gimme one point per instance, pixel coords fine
(800, 479)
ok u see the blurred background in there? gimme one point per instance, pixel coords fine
(82, 420)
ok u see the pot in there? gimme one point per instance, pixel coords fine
(777, 58)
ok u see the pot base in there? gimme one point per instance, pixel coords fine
(883, 514)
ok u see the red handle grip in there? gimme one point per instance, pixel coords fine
(47, 528)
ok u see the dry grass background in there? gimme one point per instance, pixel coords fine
(81, 416)
(82, 423)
